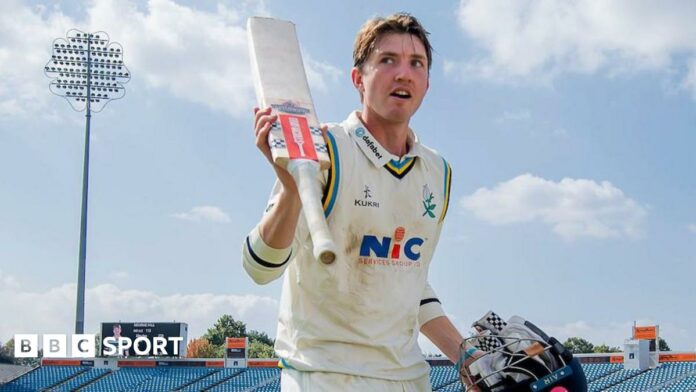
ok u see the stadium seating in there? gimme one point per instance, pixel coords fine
(273, 386)
(655, 377)
(595, 371)
(670, 376)
(42, 378)
(126, 379)
(80, 380)
(612, 379)
(441, 376)
(248, 379)
(215, 378)
(172, 379)
(684, 385)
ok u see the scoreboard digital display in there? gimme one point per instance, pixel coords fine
(143, 339)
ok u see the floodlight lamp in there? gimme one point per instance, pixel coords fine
(91, 67)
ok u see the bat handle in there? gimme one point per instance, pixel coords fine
(305, 172)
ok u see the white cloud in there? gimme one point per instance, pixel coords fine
(118, 275)
(320, 75)
(689, 81)
(8, 282)
(513, 116)
(198, 56)
(53, 310)
(560, 132)
(538, 40)
(572, 207)
(195, 55)
(692, 228)
(27, 34)
(204, 214)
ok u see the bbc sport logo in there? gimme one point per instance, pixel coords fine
(83, 346)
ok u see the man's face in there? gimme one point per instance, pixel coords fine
(117, 330)
(394, 79)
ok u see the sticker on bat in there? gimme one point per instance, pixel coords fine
(297, 137)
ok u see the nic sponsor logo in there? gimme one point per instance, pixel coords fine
(395, 250)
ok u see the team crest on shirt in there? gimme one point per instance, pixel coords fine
(367, 199)
(428, 205)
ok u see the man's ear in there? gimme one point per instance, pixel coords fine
(357, 78)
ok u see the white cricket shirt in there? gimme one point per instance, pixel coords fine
(362, 314)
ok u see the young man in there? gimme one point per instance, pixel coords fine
(353, 325)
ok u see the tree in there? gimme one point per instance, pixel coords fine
(225, 327)
(97, 344)
(6, 354)
(603, 348)
(259, 349)
(663, 345)
(201, 348)
(578, 345)
(260, 344)
(256, 336)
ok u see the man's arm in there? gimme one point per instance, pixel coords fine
(437, 327)
(267, 249)
(277, 227)
(444, 335)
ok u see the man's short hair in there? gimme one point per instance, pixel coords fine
(373, 29)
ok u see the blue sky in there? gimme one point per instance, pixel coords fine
(569, 127)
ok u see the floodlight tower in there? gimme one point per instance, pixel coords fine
(88, 71)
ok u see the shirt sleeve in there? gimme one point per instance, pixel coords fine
(264, 263)
(430, 306)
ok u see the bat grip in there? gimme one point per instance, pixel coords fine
(305, 172)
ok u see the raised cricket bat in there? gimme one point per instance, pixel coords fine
(296, 141)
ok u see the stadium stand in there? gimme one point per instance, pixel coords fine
(684, 385)
(10, 372)
(43, 377)
(441, 376)
(192, 375)
(171, 379)
(595, 371)
(126, 379)
(81, 380)
(658, 376)
(612, 379)
(250, 379)
(216, 378)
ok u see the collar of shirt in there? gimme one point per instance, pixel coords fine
(374, 151)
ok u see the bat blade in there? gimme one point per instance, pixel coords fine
(281, 83)
(296, 140)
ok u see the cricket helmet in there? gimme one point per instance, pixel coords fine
(520, 357)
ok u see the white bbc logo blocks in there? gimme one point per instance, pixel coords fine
(26, 346)
(55, 346)
(83, 346)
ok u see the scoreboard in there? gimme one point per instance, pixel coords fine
(143, 339)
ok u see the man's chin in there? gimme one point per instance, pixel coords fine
(398, 117)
